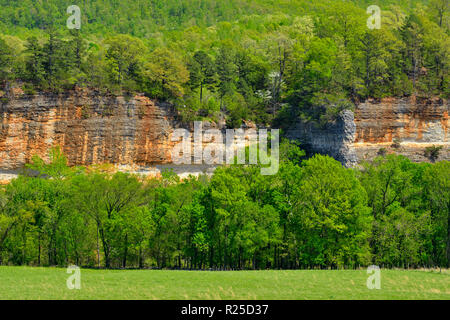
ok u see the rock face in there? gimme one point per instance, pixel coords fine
(90, 128)
(393, 125)
(335, 139)
(411, 122)
(135, 133)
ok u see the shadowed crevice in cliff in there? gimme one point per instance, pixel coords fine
(335, 138)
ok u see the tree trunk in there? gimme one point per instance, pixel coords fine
(98, 250)
(39, 250)
(105, 248)
(140, 257)
(125, 253)
(448, 241)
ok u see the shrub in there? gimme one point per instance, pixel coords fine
(396, 143)
(382, 152)
(432, 152)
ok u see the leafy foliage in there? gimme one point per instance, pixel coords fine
(263, 61)
(312, 213)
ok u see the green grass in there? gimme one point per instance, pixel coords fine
(50, 283)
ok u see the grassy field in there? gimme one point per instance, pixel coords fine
(50, 283)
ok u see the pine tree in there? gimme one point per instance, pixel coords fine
(202, 72)
(5, 60)
(226, 71)
(34, 63)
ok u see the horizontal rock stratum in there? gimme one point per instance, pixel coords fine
(416, 123)
(398, 125)
(91, 128)
(134, 133)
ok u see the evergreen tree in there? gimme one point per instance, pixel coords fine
(34, 64)
(202, 72)
(226, 71)
(5, 60)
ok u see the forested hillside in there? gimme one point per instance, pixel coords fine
(142, 17)
(271, 62)
(266, 61)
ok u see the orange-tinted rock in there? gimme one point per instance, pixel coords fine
(91, 128)
(415, 123)
(135, 133)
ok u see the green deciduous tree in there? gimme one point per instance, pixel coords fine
(107, 199)
(331, 214)
(123, 58)
(166, 73)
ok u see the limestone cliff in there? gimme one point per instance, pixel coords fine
(90, 127)
(398, 125)
(134, 133)
(334, 139)
(412, 122)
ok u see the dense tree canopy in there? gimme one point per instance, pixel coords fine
(260, 60)
(312, 213)
(266, 61)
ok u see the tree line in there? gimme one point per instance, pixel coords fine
(313, 213)
(261, 64)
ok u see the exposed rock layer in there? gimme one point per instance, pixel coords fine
(412, 122)
(393, 125)
(135, 133)
(90, 128)
(334, 139)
